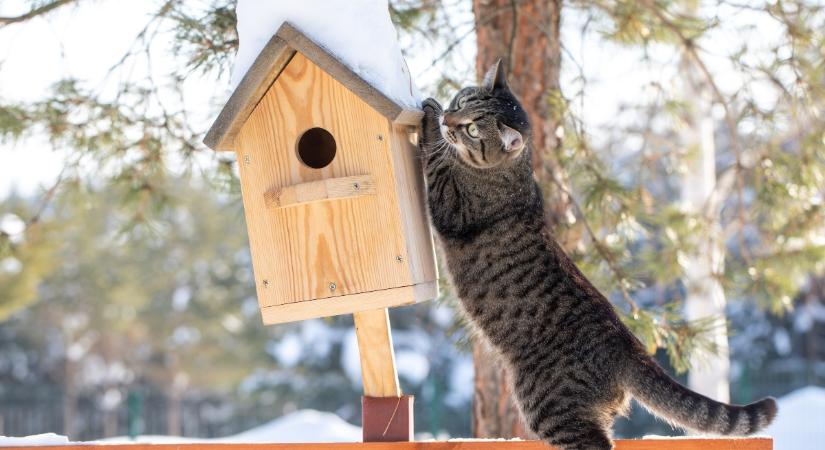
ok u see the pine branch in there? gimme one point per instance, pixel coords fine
(35, 12)
(618, 273)
(690, 48)
(45, 201)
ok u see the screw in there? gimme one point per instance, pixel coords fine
(247, 159)
(266, 284)
(356, 186)
(399, 258)
(332, 286)
(381, 137)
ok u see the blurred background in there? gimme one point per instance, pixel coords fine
(680, 144)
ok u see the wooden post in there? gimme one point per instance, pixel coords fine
(387, 415)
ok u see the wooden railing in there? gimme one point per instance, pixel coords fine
(757, 443)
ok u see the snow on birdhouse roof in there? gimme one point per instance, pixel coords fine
(268, 66)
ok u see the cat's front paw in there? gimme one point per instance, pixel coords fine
(432, 118)
(431, 106)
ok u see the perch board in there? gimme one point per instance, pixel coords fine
(758, 443)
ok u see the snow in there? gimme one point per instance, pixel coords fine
(181, 298)
(461, 382)
(147, 439)
(799, 424)
(289, 350)
(782, 342)
(350, 359)
(301, 426)
(34, 440)
(317, 337)
(442, 315)
(13, 227)
(11, 265)
(412, 366)
(358, 32)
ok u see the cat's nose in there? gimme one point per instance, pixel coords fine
(515, 144)
(450, 120)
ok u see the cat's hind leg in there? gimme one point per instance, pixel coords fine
(572, 422)
(571, 418)
(576, 433)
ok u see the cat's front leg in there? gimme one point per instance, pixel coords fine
(432, 114)
(430, 127)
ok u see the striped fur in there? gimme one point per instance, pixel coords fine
(574, 365)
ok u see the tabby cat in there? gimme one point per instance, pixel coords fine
(573, 364)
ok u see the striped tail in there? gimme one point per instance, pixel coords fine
(666, 398)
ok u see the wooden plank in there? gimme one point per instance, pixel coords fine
(300, 253)
(410, 192)
(377, 356)
(695, 444)
(260, 76)
(410, 117)
(757, 443)
(363, 301)
(315, 191)
(331, 64)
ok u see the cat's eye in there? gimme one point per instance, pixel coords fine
(472, 130)
(461, 102)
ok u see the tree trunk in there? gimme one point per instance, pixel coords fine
(709, 374)
(495, 415)
(174, 398)
(69, 398)
(174, 411)
(525, 34)
(110, 417)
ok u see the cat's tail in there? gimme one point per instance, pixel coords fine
(666, 398)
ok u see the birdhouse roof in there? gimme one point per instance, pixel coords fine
(275, 56)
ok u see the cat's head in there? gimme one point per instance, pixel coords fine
(486, 124)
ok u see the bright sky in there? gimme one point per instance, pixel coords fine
(85, 41)
(81, 42)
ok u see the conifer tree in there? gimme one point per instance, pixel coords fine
(615, 202)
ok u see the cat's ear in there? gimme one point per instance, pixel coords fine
(511, 140)
(495, 78)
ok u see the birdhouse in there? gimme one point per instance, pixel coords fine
(331, 182)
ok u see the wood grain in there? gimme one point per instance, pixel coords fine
(377, 356)
(760, 443)
(332, 306)
(324, 59)
(410, 189)
(263, 72)
(315, 191)
(300, 252)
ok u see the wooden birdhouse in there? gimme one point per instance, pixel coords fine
(332, 186)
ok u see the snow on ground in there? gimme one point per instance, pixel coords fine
(301, 426)
(800, 424)
(35, 440)
(358, 32)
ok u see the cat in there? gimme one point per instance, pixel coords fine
(574, 365)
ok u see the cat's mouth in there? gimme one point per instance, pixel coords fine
(447, 133)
